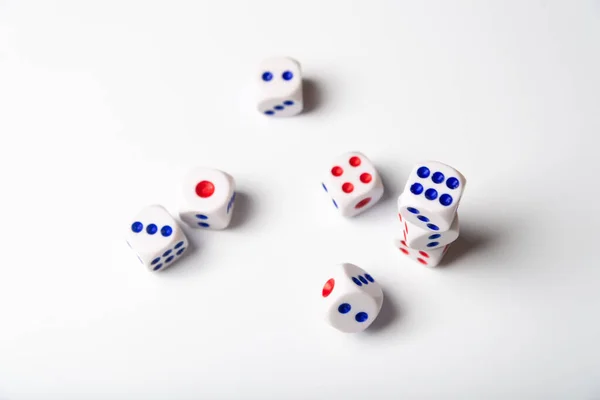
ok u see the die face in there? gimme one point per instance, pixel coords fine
(350, 305)
(432, 195)
(353, 184)
(156, 238)
(429, 258)
(352, 312)
(208, 199)
(280, 87)
(363, 281)
(419, 238)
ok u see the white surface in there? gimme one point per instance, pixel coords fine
(104, 105)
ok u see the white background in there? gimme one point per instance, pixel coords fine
(104, 105)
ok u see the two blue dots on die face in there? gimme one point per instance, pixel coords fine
(202, 218)
(345, 308)
(268, 76)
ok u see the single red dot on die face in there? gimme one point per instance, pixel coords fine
(363, 203)
(404, 251)
(422, 261)
(366, 177)
(347, 187)
(424, 254)
(354, 161)
(205, 189)
(337, 171)
(328, 287)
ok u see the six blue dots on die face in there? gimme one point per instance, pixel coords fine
(435, 236)
(178, 245)
(168, 260)
(167, 253)
(437, 177)
(357, 281)
(159, 266)
(423, 218)
(433, 227)
(363, 279)
(369, 278)
(156, 260)
(180, 251)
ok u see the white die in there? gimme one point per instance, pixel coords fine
(352, 299)
(420, 238)
(280, 87)
(430, 258)
(353, 184)
(208, 199)
(431, 195)
(156, 238)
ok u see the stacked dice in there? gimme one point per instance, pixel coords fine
(427, 212)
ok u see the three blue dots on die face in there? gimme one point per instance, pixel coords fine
(360, 280)
(151, 229)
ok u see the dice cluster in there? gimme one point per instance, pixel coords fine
(352, 298)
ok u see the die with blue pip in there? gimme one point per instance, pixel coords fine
(428, 212)
(351, 298)
(156, 238)
(279, 81)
